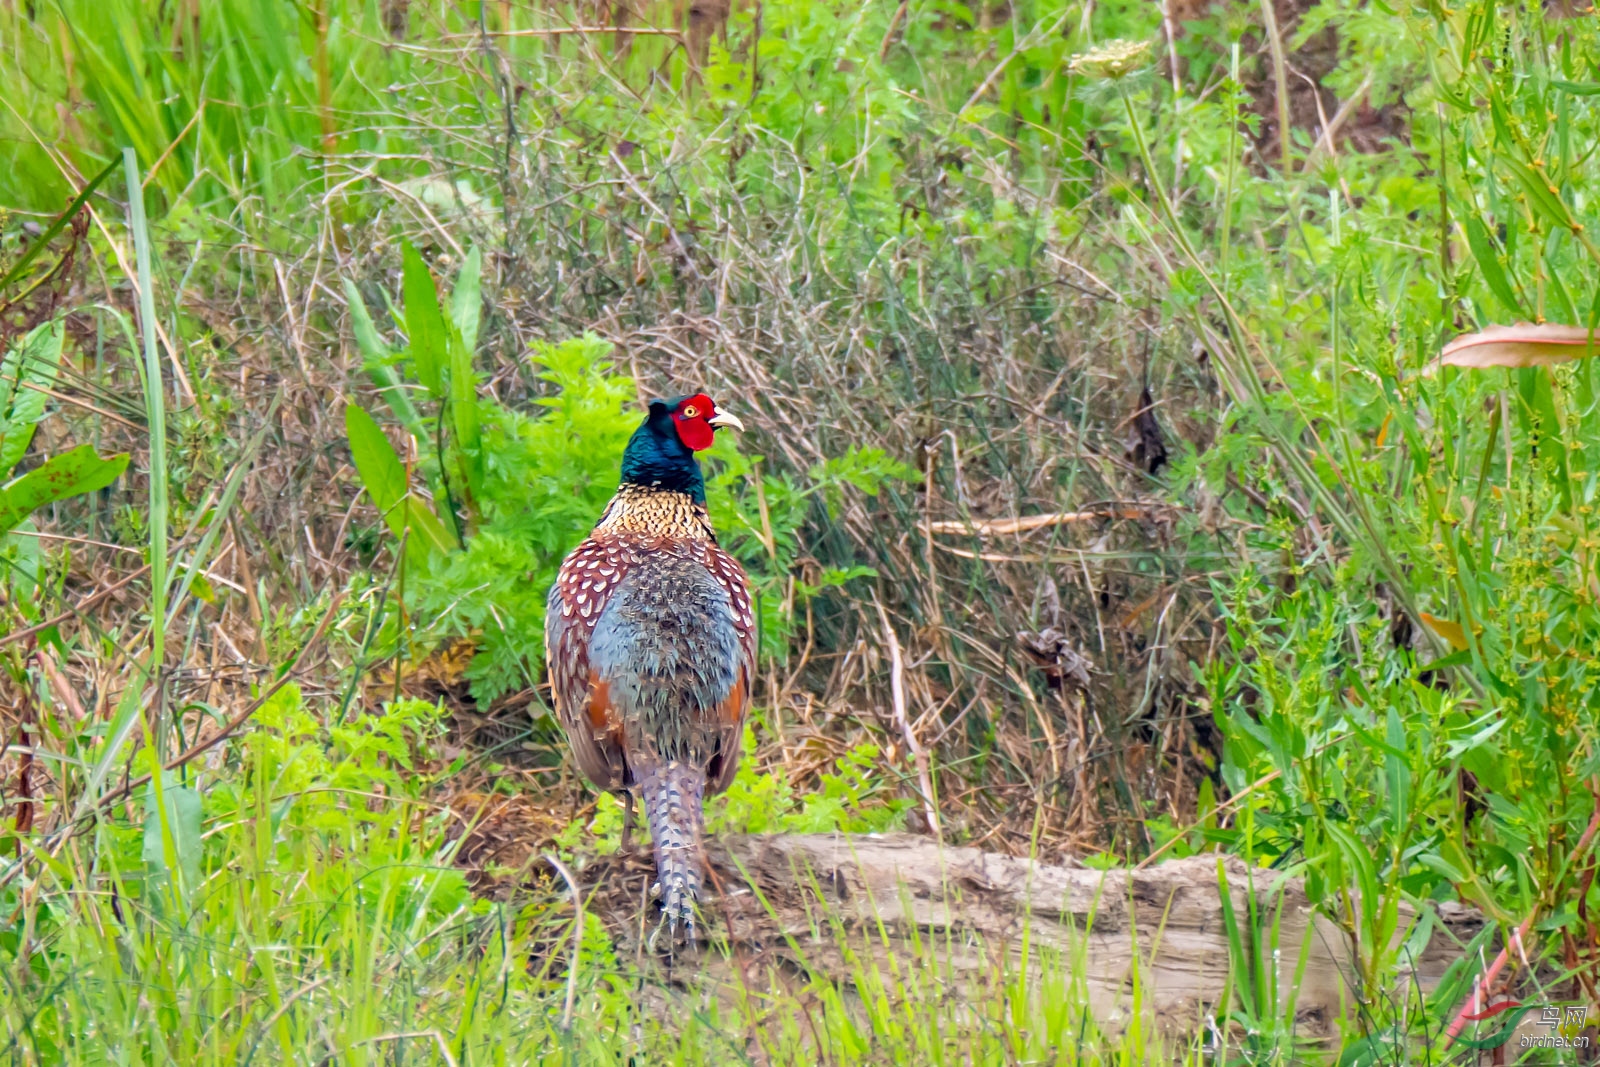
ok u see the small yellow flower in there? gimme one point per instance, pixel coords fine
(1113, 59)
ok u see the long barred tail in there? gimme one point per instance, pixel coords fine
(672, 793)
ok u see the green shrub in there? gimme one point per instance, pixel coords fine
(512, 493)
(854, 798)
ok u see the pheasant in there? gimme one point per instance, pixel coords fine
(651, 646)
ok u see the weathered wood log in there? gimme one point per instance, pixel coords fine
(1157, 938)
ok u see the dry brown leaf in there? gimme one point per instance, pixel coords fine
(1450, 631)
(1522, 345)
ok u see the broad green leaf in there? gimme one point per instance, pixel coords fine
(30, 366)
(1440, 866)
(466, 299)
(462, 339)
(1357, 860)
(464, 418)
(1242, 964)
(1454, 99)
(1542, 196)
(379, 364)
(1206, 805)
(1377, 744)
(1488, 258)
(122, 724)
(180, 829)
(1460, 658)
(24, 569)
(1385, 927)
(1396, 769)
(385, 478)
(372, 347)
(1502, 123)
(1456, 749)
(69, 474)
(1566, 308)
(424, 322)
(426, 528)
(375, 459)
(1472, 888)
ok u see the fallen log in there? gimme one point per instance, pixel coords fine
(1153, 942)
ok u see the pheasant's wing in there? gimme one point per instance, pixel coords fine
(584, 584)
(731, 713)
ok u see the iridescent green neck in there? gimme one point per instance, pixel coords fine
(656, 459)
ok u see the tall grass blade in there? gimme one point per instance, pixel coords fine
(61, 222)
(156, 421)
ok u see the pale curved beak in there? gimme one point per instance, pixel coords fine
(722, 418)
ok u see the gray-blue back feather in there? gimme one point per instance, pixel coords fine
(667, 646)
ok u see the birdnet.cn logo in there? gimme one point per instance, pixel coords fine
(1565, 1023)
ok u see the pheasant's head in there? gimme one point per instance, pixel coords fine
(661, 452)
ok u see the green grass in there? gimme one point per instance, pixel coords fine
(321, 915)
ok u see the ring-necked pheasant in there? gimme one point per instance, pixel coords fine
(650, 645)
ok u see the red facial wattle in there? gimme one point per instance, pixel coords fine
(692, 420)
